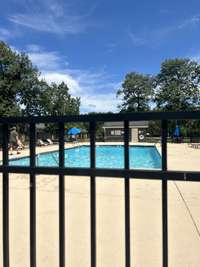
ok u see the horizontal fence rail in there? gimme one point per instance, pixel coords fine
(139, 116)
(126, 173)
(189, 176)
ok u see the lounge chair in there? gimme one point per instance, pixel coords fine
(49, 141)
(194, 145)
(41, 143)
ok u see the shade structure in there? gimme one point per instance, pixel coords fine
(177, 131)
(74, 131)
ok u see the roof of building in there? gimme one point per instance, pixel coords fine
(119, 124)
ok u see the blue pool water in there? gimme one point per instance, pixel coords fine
(145, 157)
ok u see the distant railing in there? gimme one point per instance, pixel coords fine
(164, 175)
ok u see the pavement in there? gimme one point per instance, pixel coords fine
(146, 218)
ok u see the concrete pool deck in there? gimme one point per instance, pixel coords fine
(146, 228)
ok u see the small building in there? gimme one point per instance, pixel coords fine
(114, 131)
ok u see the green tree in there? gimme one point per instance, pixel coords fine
(177, 85)
(56, 100)
(18, 80)
(23, 93)
(136, 92)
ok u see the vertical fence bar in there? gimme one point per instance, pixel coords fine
(127, 196)
(6, 262)
(32, 197)
(93, 194)
(164, 195)
(61, 197)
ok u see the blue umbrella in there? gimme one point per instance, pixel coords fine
(177, 131)
(74, 131)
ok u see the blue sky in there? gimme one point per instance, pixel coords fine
(91, 45)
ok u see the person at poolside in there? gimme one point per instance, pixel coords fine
(14, 141)
(20, 146)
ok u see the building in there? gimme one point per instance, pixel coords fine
(114, 131)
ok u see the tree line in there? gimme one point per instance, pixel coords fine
(176, 87)
(24, 93)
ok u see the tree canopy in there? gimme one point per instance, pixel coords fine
(136, 92)
(175, 87)
(56, 100)
(22, 92)
(178, 85)
(17, 78)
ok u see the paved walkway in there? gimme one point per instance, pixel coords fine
(146, 238)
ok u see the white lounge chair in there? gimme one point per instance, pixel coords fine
(41, 143)
(49, 141)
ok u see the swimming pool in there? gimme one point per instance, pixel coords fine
(107, 156)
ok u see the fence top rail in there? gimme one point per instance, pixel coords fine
(99, 172)
(136, 116)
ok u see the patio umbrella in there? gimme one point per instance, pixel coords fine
(74, 131)
(177, 131)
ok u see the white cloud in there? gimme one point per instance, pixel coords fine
(100, 103)
(193, 21)
(52, 17)
(58, 77)
(47, 23)
(45, 60)
(56, 9)
(88, 86)
(137, 41)
(96, 89)
(157, 35)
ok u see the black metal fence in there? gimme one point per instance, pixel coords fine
(164, 175)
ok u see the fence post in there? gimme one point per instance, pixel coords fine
(93, 194)
(32, 137)
(6, 262)
(164, 196)
(61, 196)
(127, 195)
